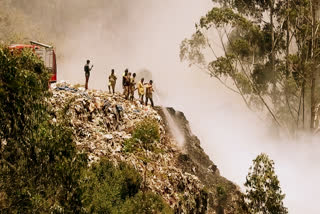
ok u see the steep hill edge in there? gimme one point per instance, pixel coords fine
(223, 195)
(188, 181)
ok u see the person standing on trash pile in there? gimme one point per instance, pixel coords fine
(141, 90)
(87, 70)
(132, 86)
(149, 91)
(127, 85)
(124, 81)
(112, 82)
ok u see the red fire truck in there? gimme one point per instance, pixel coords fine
(45, 52)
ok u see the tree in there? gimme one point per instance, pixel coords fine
(16, 26)
(40, 166)
(263, 192)
(51, 21)
(117, 189)
(268, 60)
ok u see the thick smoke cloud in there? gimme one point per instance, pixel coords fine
(145, 34)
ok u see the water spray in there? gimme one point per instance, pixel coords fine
(174, 128)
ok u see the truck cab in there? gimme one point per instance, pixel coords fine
(46, 54)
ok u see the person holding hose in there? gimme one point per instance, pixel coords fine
(124, 81)
(149, 91)
(132, 86)
(141, 90)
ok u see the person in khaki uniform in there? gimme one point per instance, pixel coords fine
(141, 90)
(132, 86)
(149, 91)
(112, 82)
(127, 86)
(124, 81)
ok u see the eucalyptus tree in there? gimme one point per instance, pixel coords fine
(259, 49)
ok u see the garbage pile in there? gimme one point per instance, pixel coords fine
(101, 122)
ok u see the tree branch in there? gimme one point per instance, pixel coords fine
(252, 84)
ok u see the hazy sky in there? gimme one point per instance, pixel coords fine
(147, 34)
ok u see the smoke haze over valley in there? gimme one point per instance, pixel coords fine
(146, 34)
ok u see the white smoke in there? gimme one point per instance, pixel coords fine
(231, 135)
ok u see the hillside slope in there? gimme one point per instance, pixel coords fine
(186, 178)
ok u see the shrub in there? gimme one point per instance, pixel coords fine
(117, 189)
(147, 203)
(145, 134)
(107, 187)
(222, 197)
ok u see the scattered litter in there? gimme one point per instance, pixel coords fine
(108, 136)
(102, 122)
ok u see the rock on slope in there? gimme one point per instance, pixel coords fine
(223, 195)
(188, 181)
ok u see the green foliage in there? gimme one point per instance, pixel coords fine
(110, 189)
(222, 197)
(39, 164)
(222, 194)
(107, 187)
(265, 45)
(223, 66)
(131, 145)
(145, 134)
(147, 131)
(190, 50)
(15, 25)
(25, 20)
(23, 86)
(147, 203)
(220, 17)
(263, 192)
(41, 169)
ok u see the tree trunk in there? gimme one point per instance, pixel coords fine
(303, 101)
(272, 37)
(313, 76)
(288, 42)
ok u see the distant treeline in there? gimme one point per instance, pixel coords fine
(52, 21)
